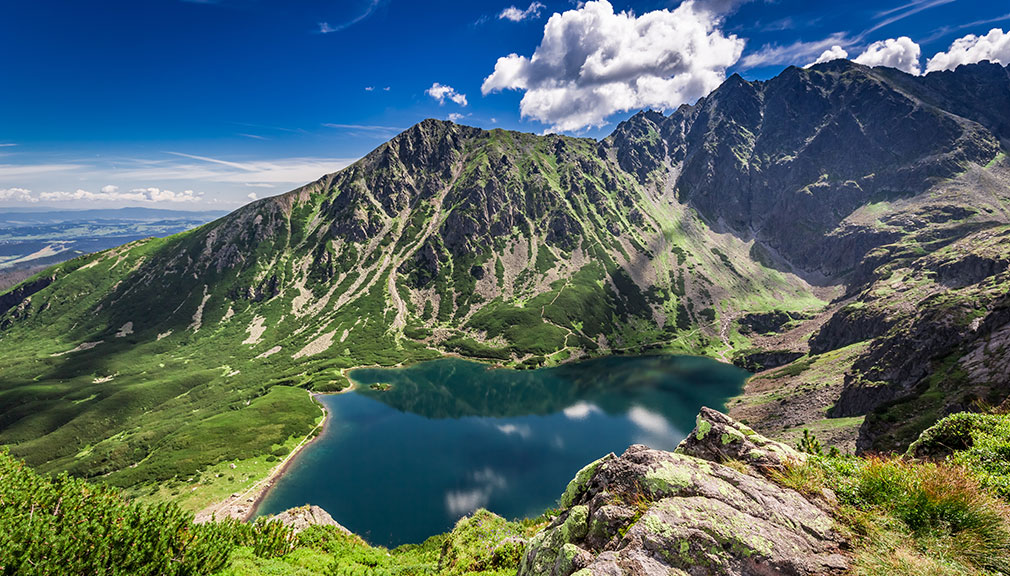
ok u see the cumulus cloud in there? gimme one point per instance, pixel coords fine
(580, 410)
(654, 429)
(518, 15)
(252, 196)
(459, 502)
(107, 194)
(593, 62)
(17, 195)
(994, 47)
(836, 52)
(442, 93)
(649, 421)
(901, 53)
(456, 117)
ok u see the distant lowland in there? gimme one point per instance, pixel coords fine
(33, 239)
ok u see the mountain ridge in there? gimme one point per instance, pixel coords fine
(534, 250)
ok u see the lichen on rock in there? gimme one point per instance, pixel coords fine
(654, 512)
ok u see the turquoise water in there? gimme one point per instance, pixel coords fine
(449, 436)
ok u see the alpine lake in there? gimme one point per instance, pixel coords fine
(410, 450)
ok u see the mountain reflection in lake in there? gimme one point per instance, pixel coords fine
(404, 459)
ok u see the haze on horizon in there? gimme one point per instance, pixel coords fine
(209, 104)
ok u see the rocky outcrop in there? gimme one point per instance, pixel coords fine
(19, 295)
(764, 322)
(301, 518)
(719, 438)
(851, 324)
(758, 360)
(686, 513)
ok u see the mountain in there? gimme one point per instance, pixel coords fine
(846, 222)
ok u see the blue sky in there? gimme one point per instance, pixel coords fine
(207, 104)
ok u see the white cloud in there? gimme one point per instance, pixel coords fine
(649, 421)
(490, 479)
(327, 28)
(463, 502)
(994, 47)
(593, 62)
(17, 195)
(518, 15)
(369, 88)
(441, 93)
(904, 11)
(252, 196)
(836, 52)
(580, 410)
(456, 117)
(230, 180)
(522, 431)
(655, 430)
(21, 170)
(261, 172)
(901, 53)
(136, 195)
(795, 53)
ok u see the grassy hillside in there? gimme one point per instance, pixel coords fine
(65, 526)
(940, 510)
(508, 247)
(733, 228)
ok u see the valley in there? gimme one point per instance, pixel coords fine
(840, 230)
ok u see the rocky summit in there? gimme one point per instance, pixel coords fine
(840, 229)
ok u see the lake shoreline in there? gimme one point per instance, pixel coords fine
(546, 419)
(246, 505)
(271, 479)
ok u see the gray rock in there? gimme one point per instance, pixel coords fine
(719, 438)
(304, 516)
(654, 512)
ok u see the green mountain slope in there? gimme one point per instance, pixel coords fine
(163, 358)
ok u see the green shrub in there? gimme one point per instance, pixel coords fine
(943, 508)
(482, 543)
(978, 442)
(66, 526)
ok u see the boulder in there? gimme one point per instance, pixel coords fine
(719, 438)
(654, 512)
(304, 516)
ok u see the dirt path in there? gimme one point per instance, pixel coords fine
(724, 336)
